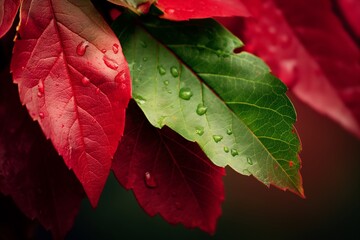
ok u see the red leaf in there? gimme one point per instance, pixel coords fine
(308, 48)
(76, 90)
(168, 174)
(8, 10)
(31, 171)
(351, 10)
(189, 9)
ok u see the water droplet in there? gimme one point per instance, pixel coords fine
(249, 161)
(201, 109)
(41, 86)
(291, 163)
(185, 93)
(150, 180)
(120, 77)
(97, 91)
(162, 70)
(226, 149)
(199, 131)
(85, 81)
(228, 131)
(217, 138)
(41, 115)
(103, 50)
(174, 72)
(110, 63)
(234, 152)
(39, 94)
(170, 11)
(115, 48)
(143, 44)
(145, 59)
(81, 48)
(166, 82)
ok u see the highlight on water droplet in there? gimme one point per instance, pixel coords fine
(234, 152)
(161, 70)
(81, 48)
(110, 63)
(217, 138)
(199, 131)
(115, 48)
(174, 72)
(170, 11)
(41, 115)
(103, 50)
(150, 180)
(85, 81)
(185, 93)
(97, 91)
(226, 149)
(166, 82)
(229, 131)
(201, 109)
(249, 161)
(39, 94)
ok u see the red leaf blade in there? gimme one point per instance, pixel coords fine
(8, 12)
(188, 9)
(75, 81)
(168, 174)
(31, 171)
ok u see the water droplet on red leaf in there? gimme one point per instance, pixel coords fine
(103, 50)
(170, 11)
(41, 115)
(39, 94)
(115, 48)
(110, 63)
(81, 48)
(85, 81)
(97, 90)
(150, 180)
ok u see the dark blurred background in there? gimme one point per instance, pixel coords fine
(331, 175)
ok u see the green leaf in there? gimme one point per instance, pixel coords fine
(185, 75)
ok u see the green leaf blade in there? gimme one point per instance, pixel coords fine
(248, 120)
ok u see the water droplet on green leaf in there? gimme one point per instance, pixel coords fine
(229, 131)
(249, 161)
(161, 70)
(199, 131)
(201, 109)
(217, 138)
(226, 149)
(174, 72)
(185, 93)
(234, 152)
